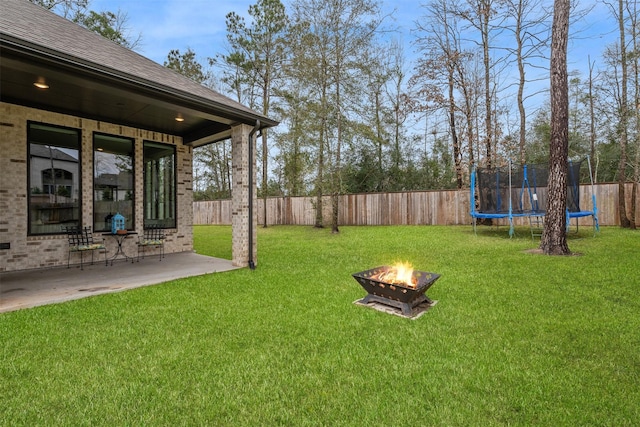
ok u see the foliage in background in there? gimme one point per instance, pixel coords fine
(420, 125)
(369, 120)
(110, 25)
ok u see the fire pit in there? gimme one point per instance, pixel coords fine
(398, 286)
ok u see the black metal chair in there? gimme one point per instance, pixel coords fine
(152, 237)
(81, 240)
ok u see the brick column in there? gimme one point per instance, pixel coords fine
(240, 196)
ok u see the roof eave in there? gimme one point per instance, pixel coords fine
(149, 87)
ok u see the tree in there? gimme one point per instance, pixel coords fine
(309, 73)
(624, 117)
(338, 32)
(212, 171)
(188, 65)
(260, 51)
(399, 104)
(554, 237)
(110, 25)
(373, 129)
(592, 115)
(377, 131)
(442, 67)
(634, 15)
(480, 14)
(66, 8)
(528, 32)
(212, 162)
(294, 164)
(349, 34)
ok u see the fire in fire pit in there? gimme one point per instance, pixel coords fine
(397, 286)
(399, 274)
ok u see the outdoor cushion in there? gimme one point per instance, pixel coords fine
(86, 247)
(153, 236)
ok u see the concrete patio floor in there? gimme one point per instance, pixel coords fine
(31, 288)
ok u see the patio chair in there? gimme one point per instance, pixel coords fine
(81, 240)
(152, 237)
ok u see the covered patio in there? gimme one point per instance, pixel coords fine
(36, 287)
(91, 129)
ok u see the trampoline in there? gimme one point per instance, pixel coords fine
(516, 192)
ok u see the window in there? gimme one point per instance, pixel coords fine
(113, 190)
(159, 185)
(54, 178)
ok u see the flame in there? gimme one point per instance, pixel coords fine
(404, 272)
(400, 273)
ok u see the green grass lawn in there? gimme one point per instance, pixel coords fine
(515, 339)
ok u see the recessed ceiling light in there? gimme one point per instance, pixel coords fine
(179, 118)
(40, 84)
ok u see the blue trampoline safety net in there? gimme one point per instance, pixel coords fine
(519, 191)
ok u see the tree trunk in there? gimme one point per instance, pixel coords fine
(320, 178)
(592, 116)
(266, 90)
(554, 236)
(521, 83)
(336, 178)
(635, 66)
(265, 192)
(337, 172)
(457, 154)
(488, 121)
(622, 208)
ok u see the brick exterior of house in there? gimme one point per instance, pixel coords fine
(240, 197)
(110, 90)
(27, 252)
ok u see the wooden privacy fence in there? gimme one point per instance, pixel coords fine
(450, 207)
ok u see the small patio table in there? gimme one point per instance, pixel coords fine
(119, 237)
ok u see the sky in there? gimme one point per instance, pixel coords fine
(200, 25)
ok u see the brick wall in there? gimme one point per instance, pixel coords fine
(28, 252)
(240, 197)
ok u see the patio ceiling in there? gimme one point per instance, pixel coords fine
(112, 99)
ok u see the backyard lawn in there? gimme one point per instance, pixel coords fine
(515, 338)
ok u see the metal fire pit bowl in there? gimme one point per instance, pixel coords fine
(399, 296)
